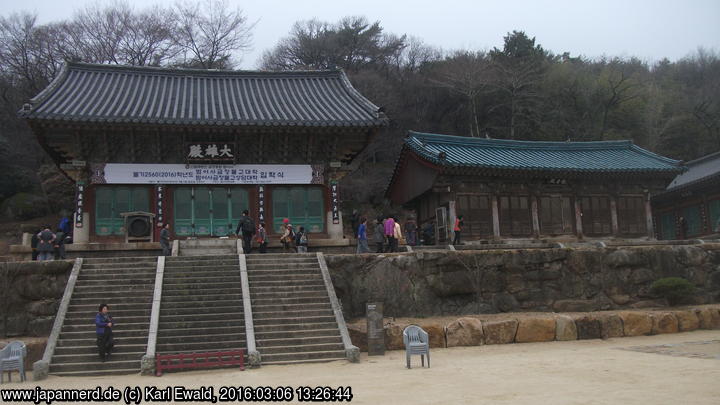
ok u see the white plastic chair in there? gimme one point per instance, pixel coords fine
(12, 357)
(416, 342)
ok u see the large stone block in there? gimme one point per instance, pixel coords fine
(358, 335)
(535, 330)
(687, 320)
(574, 306)
(565, 328)
(499, 332)
(715, 313)
(464, 332)
(705, 317)
(611, 325)
(664, 322)
(394, 334)
(588, 328)
(636, 323)
(436, 333)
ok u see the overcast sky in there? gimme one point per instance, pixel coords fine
(649, 29)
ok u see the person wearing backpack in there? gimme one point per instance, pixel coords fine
(288, 236)
(301, 240)
(247, 227)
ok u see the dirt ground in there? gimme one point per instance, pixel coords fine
(613, 371)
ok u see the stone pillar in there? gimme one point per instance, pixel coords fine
(82, 235)
(578, 218)
(335, 231)
(649, 218)
(495, 217)
(535, 216)
(614, 216)
(452, 214)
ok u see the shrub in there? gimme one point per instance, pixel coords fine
(674, 289)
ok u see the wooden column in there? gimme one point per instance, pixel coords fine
(614, 215)
(452, 214)
(495, 217)
(535, 216)
(578, 218)
(648, 218)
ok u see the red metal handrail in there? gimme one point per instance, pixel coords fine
(208, 360)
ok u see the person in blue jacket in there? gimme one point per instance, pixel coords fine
(103, 329)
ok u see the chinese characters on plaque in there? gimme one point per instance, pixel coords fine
(335, 202)
(159, 211)
(79, 197)
(261, 203)
(210, 151)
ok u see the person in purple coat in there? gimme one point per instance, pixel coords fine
(390, 232)
(103, 329)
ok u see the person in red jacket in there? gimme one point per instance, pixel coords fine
(458, 229)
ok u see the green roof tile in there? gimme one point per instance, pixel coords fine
(603, 156)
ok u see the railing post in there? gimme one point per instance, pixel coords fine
(147, 363)
(352, 353)
(254, 358)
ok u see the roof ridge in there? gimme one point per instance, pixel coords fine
(504, 143)
(184, 70)
(703, 158)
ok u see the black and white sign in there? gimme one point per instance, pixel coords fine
(261, 203)
(335, 202)
(79, 200)
(159, 209)
(210, 151)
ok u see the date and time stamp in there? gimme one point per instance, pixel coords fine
(137, 395)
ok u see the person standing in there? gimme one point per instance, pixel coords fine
(301, 240)
(34, 242)
(397, 235)
(246, 228)
(683, 228)
(362, 246)
(262, 238)
(165, 240)
(355, 222)
(411, 231)
(389, 225)
(46, 244)
(103, 331)
(59, 244)
(457, 229)
(287, 236)
(379, 235)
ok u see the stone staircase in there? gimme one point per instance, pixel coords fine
(126, 285)
(201, 308)
(292, 313)
(207, 247)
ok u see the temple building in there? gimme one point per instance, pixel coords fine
(507, 189)
(197, 147)
(694, 196)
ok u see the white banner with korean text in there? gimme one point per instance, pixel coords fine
(134, 173)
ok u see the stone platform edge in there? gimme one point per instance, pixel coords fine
(472, 330)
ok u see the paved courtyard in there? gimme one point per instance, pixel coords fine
(615, 371)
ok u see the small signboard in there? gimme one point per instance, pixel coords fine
(335, 201)
(261, 203)
(210, 152)
(79, 199)
(159, 209)
(375, 330)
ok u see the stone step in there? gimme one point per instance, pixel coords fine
(116, 296)
(136, 259)
(280, 319)
(201, 285)
(121, 371)
(286, 327)
(284, 278)
(265, 335)
(226, 316)
(97, 366)
(289, 283)
(283, 266)
(305, 361)
(90, 301)
(288, 300)
(257, 314)
(90, 327)
(306, 341)
(201, 267)
(90, 357)
(285, 288)
(314, 347)
(208, 303)
(282, 272)
(188, 293)
(112, 267)
(119, 349)
(207, 323)
(236, 329)
(110, 287)
(201, 277)
(281, 256)
(197, 347)
(319, 294)
(175, 259)
(115, 313)
(205, 309)
(88, 339)
(89, 332)
(124, 306)
(297, 357)
(274, 307)
(110, 279)
(206, 252)
(207, 336)
(128, 320)
(200, 298)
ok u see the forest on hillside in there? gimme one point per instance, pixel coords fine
(520, 91)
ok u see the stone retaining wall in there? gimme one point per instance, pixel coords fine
(538, 327)
(437, 283)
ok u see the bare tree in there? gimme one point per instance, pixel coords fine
(210, 32)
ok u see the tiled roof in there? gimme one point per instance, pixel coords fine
(603, 156)
(125, 94)
(700, 169)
